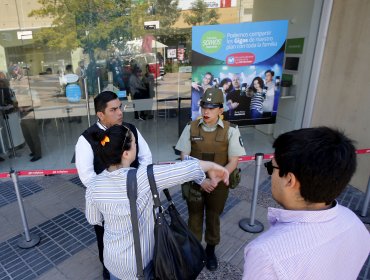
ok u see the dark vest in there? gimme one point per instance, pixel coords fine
(211, 146)
(98, 164)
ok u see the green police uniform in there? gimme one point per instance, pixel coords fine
(217, 144)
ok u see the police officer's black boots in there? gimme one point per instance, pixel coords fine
(212, 263)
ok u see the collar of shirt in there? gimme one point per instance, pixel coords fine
(276, 215)
(219, 122)
(101, 126)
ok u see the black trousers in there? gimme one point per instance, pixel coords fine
(99, 232)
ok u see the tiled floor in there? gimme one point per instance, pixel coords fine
(26, 187)
(68, 251)
(61, 237)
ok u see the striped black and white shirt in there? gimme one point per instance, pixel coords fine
(257, 102)
(106, 199)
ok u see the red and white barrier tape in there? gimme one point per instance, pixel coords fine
(43, 172)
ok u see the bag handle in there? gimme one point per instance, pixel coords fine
(132, 196)
(153, 187)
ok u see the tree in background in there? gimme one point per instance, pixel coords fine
(167, 13)
(91, 25)
(201, 15)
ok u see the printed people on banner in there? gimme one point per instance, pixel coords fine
(257, 98)
(238, 96)
(226, 87)
(197, 91)
(268, 103)
(246, 97)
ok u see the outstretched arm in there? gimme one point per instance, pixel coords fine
(216, 172)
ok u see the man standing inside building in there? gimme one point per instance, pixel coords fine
(210, 138)
(312, 237)
(108, 110)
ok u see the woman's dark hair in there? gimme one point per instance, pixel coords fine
(212, 77)
(101, 100)
(271, 72)
(112, 143)
(225, 81)
(322, 159)
(260, 81)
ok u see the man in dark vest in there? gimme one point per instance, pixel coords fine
(109, 113)
(210, 138)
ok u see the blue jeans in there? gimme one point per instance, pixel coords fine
(255, 114)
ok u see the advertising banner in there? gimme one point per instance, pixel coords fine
(245, 61)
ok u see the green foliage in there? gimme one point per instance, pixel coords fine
(201, 15)
(167, 12)
(88, 24)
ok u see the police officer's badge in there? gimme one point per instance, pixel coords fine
(241, 141)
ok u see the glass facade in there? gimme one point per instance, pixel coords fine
(55, 56)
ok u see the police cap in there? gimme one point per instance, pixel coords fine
(212, 98)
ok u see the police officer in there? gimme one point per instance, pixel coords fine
(209, 138)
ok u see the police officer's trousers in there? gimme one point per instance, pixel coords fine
(212, 204)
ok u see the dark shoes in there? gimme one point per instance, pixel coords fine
(212, 263)
(106, 275)
(34, 159)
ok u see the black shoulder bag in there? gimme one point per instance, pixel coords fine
(147, 273)
(178, 254)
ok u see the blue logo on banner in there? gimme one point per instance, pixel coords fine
(73, 93)
(230, 60)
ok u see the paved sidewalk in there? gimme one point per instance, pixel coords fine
(54, 207)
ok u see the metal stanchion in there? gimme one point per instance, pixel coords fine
(87, 103)
(250, 224)
(362, 214)
(31, 238)
(98, 83)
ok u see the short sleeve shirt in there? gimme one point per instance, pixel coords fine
(236, 146)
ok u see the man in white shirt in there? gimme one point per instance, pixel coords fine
(109, 113)
(312, 237)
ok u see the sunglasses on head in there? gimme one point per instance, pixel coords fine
(270, 167)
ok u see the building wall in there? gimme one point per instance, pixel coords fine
(303, 17)
(14, 15)
(343, 96)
